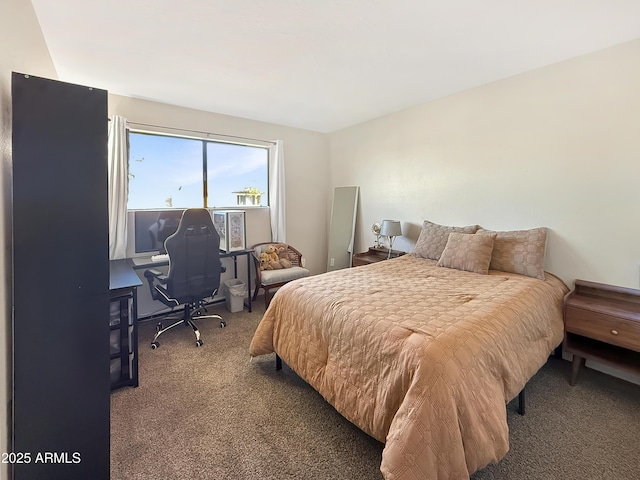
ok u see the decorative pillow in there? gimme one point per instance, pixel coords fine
(433, 238)
(519, 251)
(468, 252)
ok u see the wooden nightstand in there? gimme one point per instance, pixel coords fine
(602, 323)
(374, 255)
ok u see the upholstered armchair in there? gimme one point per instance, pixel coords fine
(269, 279)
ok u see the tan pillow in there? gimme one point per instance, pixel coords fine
(433, 238)
(468, 252)
(519, 251)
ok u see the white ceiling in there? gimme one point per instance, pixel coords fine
(318, 64)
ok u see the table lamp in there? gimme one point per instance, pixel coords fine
(390, 229)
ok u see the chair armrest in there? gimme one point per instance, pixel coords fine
(298, 261)
(154, 277)
(152, 273)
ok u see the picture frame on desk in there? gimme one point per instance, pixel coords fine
(231, 226)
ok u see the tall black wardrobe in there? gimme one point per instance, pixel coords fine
(61, 384)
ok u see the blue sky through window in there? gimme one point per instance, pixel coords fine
(167, 172)
(232, 168)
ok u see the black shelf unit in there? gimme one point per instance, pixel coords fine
(123, 340)
(61, 389)
(123, 324)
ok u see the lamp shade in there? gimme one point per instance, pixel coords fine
(391, 228)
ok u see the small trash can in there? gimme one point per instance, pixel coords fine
(234, 294)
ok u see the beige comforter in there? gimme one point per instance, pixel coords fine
(420, 357)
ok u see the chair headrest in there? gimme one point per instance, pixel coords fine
(195, 216)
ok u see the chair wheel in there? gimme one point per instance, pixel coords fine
(199, 343)
(223, 324)
(158, 327)
(154, 345)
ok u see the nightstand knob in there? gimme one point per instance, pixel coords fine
(615, 332)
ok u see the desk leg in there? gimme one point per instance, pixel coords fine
(249, 280)
(135, 337)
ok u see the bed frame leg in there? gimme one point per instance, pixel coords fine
(278, 362)
(558, 352)
(521, 400)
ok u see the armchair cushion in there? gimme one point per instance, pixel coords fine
(271, 277)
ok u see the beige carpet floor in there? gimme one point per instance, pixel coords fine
(211, 413)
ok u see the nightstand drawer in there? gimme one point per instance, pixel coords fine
(614, 330)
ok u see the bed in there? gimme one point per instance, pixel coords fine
(420, 356)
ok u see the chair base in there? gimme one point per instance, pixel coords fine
(187, 320)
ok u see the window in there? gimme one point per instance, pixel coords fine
(177, 172)
(236, 174)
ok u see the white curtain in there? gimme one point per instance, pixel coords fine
(118, 164)
(276, 193)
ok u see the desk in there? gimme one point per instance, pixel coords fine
(142, 263)
(123, 324)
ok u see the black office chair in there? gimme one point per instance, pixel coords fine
(194, 271)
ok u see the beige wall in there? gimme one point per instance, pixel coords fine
(22, 49)
(306, 169)
(556, 147)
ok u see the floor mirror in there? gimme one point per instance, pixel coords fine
(342, 228)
